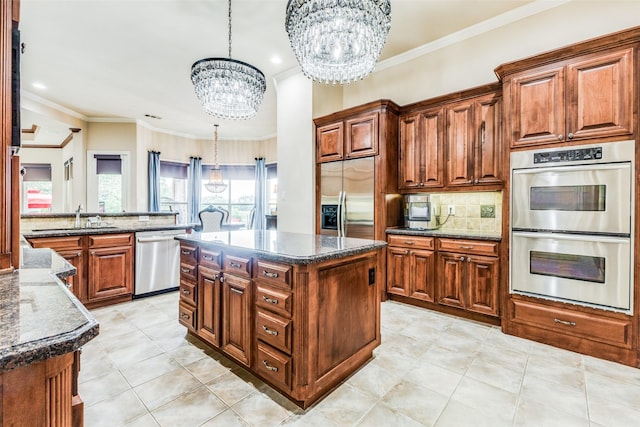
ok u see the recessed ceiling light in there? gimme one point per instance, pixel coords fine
(275, 59)
(39, 85)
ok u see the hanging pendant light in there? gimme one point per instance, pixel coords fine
(216, 183)
(228, 88)
(337, 41)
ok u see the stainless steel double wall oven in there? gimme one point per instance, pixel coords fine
(572, 224)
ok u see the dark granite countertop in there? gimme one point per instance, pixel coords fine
(39, 317)
(102, 214)
(475, 235)
(290, 248)
(101, 230)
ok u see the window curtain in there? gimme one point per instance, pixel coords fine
(261, 194)
(154, 181)
(194, 189)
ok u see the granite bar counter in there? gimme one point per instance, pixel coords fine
(42, 327)
(300, 311)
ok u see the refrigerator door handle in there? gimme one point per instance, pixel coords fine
(343, 211)
(340, 216)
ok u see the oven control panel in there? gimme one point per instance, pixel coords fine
(580, 154)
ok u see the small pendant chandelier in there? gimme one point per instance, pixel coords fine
(228, 88)
(337, 41)
(216, 183)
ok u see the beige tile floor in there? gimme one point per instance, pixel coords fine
(431, 370)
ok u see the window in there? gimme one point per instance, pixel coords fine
(239, 196)
(37, 188)
(272, 189)
(107, 181)
(173, 188)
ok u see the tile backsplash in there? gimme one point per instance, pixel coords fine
(475, 211)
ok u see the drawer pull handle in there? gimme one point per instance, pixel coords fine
(271, 275)
(237, 291)
(184, 316)
(186, 291)
(270, 331)
(185, 270)
(186, 252)
(466, 247)
(234, 265)
(565, 322)
(409, 242)
(269, 367)
(207, 258)
(269, 300)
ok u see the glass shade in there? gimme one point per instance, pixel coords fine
(337, 41)
(215, 184)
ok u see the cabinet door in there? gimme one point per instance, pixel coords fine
(431, 151)
(361, 136)
(423, 266)
(398, 269)
(600, 96)
(482, 288)
(537, 107)
(110, 272)
(75, 258)
(209, 313)
(451, 279)
(329, 142)
(236, 312)
(488, 124)
(409, 153)
(460, 137)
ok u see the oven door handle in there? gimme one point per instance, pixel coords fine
(575, 168)
(573, 237)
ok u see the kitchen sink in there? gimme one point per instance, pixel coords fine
(73, 228)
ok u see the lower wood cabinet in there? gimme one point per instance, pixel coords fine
(237, 316)
(463, 274)
(104, 264)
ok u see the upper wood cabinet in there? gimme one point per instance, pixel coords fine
(348, 139)
(451, 142)
(590, 96)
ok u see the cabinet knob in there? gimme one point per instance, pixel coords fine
(462, 258)
(560, 137)
(570, 135)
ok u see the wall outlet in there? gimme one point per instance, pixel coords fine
(143, 218)
(451, 210)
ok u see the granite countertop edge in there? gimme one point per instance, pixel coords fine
(41, 349)
(445, 233)
(287, 259)
(102, 230)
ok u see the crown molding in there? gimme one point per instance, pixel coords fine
(25, 94)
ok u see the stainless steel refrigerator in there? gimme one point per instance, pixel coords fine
(346, 201)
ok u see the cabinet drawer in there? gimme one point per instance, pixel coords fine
(210, 258)
(274, 330)
(468, 246)
(417, 242)
(274, 366)
(188, 292)
(110, 240)
(237, 265)
(273, 299)
(584, 325)
(188, 254)
(188, 272)
(275, 273)
(187, 316)
(72, 242)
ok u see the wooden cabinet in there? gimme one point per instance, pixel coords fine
(421, 150)
(237, 315)
(190, 290)
(104, 265)
(583, 97)
(411, 271)
(209, 306)
(468, 278)
(348, 139)
(452, 142)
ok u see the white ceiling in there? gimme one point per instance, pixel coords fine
(118, 60)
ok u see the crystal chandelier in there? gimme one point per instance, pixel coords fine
(228, 88)
(337, 41)
(216, 183)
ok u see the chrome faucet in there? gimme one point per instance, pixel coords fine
(77, 224)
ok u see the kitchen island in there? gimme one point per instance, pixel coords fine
(300, 311)
(42, 327)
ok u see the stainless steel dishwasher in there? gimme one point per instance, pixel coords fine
(157, 262)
